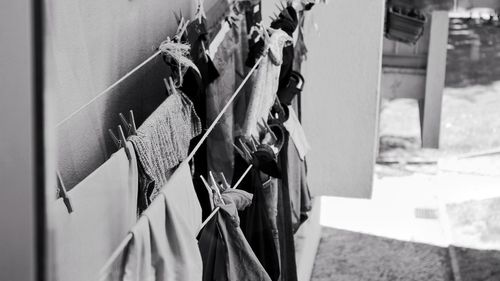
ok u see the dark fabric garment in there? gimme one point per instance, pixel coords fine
(194, 87)
(225, 252)
(255, 222)
(286, 21)
(253, 16)
(285, 228)
(213, 253)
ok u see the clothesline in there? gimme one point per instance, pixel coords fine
(212, 49)
(109, 88)
(121, 247)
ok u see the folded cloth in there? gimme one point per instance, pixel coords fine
(162, 141)
(164, 245)
(104, 206)
(297, 133)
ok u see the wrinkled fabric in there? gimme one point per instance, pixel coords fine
(104, 205)
(297, 133)
(265, 87)
(162, 141)
(225, 251)
(138, 261)
(220, 155)
(300, 197)
(164, 247)
(270, 190)
(288, 268)
(255, 223)
(195, 88)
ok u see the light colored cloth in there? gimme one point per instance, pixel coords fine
(220, 155)
(162, 141)
(164, 245)
(297, 133)
(104, 207)
(266, 80)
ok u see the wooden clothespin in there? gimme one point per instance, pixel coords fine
(224, 181)
(209, 191)
(64, 194)
(129, 124)
(173, 87)
(167, 86)
(200, 11)
(216, 188)
(204, 50)
(120, 141)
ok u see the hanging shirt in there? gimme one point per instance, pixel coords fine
(162, 142)
(227, 256)
(164, 246)
(266, 80)
(104, 205)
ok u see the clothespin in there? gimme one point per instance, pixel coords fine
(224, 181)
(209, 190)
(173, 87)
(215, 186)
(268, 129)
(64, 194)
(205, 56)
(167, 86)
(120, 141)
(129, 124)
(200, 11)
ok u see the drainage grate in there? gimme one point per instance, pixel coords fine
(426, 213)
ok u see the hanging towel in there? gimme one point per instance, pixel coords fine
(104, 206)
(297, 133)
(164, 245)
(162, 142)
(266, 80)
(226, 253)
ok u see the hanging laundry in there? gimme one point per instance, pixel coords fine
(162, 142)
(297, 133)
(105, 205)
(255, 222)
(226, 253)
(164, 247)
(194, 87)
(266, 81)
(220, 155)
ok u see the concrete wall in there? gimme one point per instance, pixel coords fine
(18, 253)
(341, 95)
(91, 44)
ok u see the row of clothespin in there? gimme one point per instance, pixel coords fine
(131, 129)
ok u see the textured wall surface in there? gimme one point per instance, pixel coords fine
(341, 95)
(89, 46)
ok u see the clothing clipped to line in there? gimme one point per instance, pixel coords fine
(266, 80)
(105, 204)
(226, 253)
(297, 133)
(255, 222)
(163, 245)
(220, 155)
(162, 142)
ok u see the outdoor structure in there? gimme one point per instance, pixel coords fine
(418, 72)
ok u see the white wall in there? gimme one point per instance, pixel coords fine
(17, 142)
(341, 95)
